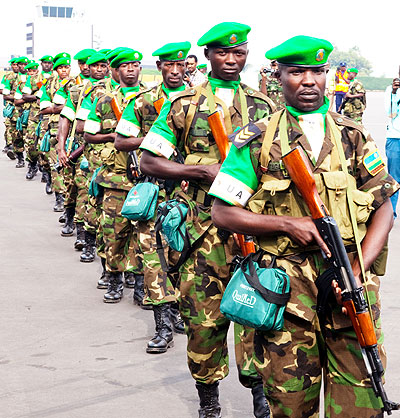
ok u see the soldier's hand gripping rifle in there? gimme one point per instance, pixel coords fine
(352, 295)
(220, 135)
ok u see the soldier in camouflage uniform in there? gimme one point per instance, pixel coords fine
(114, 176)
(29, 95)
(271, 86)
(292, 361)
(93, 232)
(135, 123)
(20, 107)
(75, 178)
(6, 86)
(53, 98)
(354, 101)
(183, 125)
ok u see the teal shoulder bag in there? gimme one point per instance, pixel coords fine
(94, 188)
(45, 143)
(140, 204)
(256, 296)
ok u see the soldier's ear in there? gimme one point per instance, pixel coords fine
(206, 53)
(158, 63)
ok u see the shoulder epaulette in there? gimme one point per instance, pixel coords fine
(44, 81)
(88, 91)
(245, 135)
(342, 120)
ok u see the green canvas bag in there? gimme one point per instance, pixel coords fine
(256, 296)
(94, 188)
(45, 143)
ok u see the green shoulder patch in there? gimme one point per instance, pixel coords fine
(245, 135)
(373, 162)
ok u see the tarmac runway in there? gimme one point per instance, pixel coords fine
(66, 354)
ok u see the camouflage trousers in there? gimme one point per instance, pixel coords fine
(293, 362)
(7, 134)
(31, 141)
(76, 190)
(57, 179)
(117, 230)
(13, 136)
(135, 255)
(157, 283)
(204, 277)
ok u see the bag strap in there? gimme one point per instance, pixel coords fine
(269, 138)
(190, 115)
(254, 281)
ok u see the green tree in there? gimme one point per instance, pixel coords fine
(353, 58)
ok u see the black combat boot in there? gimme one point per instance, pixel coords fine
(129, 278)
(43, 179)
(20, 160)
(209, 403)
(69, 226)
(105, 276)
(138, 293)
(32, 170)
(177, 322)
(163, 338)
(89, 249)
(260, 404)
(59, 204)
(10, 153)
(46, 176)
(62, 218)
(115, 288)
(7, 148)
(80, 236)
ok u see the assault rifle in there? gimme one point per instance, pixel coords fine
(220, 135)
(352, 295)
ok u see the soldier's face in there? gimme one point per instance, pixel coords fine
(14, 67)
(129, 73)
(84, 68)
(114, 74)
(47, 66)
(99, 70)
(63, 71)
(33, 71)
(172, 73)
(303, 88)
(351, 76)
(21, 67)
(227, 63)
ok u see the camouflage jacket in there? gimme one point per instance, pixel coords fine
(356, 105)
(32, 87)
(275, 92)
(114, 171)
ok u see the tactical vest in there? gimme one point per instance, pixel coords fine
(280, 197)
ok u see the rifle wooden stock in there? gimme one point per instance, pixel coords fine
(78, 80)
(158, 104)
(298, 167)
(220, 135)
(300, 172)
(73, 157)
(116, 109)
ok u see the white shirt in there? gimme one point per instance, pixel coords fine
(392, 107)
(312, 126)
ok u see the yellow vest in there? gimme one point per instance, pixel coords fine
(341, 85)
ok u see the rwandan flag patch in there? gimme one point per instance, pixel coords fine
(373, 163)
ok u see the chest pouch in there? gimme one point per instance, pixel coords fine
(256, 296)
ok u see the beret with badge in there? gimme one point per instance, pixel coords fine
(176, 51)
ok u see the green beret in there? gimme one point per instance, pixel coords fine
(97, 57)
(104, 50)
(61, 55)
(46, 58)
(114, 52)
(176, 51)
(301, 51)
(225, 35)
(31, 65)
(202, 66)
(352, 70)
(84, 54)
(12, 60)
(22, 60)
(126, 56)
(62, 61)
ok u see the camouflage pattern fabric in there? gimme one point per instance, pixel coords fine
(11, 134)
(116, 230)
(205, 274)
(354, 108)
(135, 259)
(291, 361)
(275, 92)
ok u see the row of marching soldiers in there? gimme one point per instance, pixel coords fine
(78, 132)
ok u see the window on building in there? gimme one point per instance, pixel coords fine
(53, 11)
(61, 11)
(69, 12)
(45, 10)
(29, 36)
(29, 50)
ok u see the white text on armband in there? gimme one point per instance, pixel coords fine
(158, 145)
(127, 128)
(231, 190)
(92, 126)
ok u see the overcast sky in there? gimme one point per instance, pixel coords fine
(147, 25)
